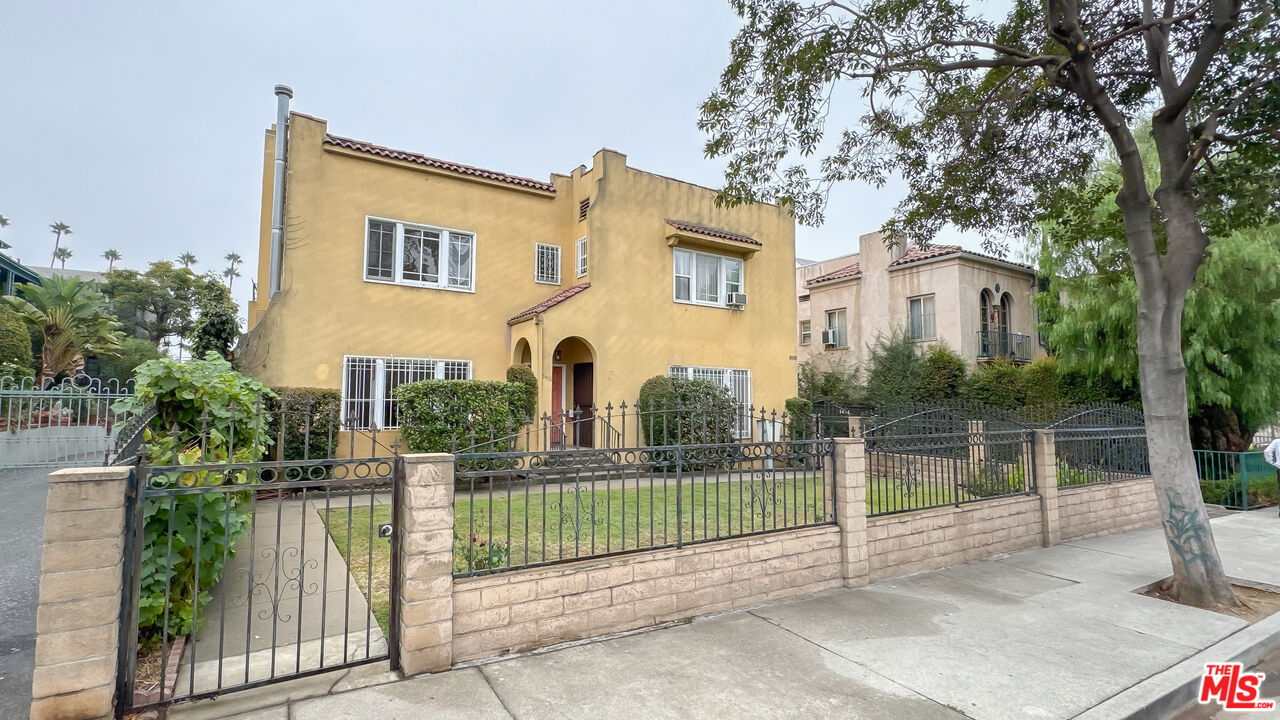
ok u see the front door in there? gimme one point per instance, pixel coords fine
(583, 401)
(558, 418)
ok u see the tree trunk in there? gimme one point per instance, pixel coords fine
(1198, 577)
(1218, 428)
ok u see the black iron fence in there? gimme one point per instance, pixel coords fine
(244, 574)
(1089, 456)
(523, 509)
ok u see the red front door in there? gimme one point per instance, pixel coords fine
(558, 418)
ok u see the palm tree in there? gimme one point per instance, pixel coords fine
(111, 256)
(233, 259)
(72, 317)
(187, 259)
(59, 229)
(4, 221)
(62, 254)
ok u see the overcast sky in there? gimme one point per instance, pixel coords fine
(141, 124)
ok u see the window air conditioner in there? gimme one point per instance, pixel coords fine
(829, 338)
(737, 300)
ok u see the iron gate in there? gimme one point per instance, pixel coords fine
(47, 424)
(241, 575)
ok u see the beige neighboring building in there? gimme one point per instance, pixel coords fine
(977, 305)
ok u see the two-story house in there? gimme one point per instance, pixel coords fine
(386, 266)
(979, 306)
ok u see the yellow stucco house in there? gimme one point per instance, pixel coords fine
(979, 306)
(388, 266)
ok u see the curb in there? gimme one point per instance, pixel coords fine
(1173, 690)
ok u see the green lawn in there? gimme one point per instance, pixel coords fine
(512, 527)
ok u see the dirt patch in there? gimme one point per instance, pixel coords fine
(1257, 602)
(153, 668)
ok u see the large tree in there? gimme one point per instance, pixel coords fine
(978, 114)
(58, 229)
(217, 327)
(158, 303)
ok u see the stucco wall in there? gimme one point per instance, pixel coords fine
(525, 609)
(627, 318)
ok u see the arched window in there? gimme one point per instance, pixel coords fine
(1006, 312)
(987, 318)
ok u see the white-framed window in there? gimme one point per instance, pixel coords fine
(419, 255)
(838, 327)
(806, 333)
(547, 264)
(737, 381)
(369, 383)
(921, 324)
(581, 248)
(705, 279)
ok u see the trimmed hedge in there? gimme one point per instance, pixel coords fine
(310, 421)
(943, 374)
(528, 403)
(678, 411)
(16, 360)
(445, 415)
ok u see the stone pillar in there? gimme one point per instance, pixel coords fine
(425, 610)
(1045, 459)
(81, 587)
(851, 508)
(855, 426)
(977, 441)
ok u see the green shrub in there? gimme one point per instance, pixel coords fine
(829, 380)
(527, 403)
(16, 360)
(206, 413)
(942, 375)
(800, 418)
(132, 353)
(445, 415)
(893, 371)
(998, 383)
(992, 478)
(1040, 382)
(678, 411)
(310, 419)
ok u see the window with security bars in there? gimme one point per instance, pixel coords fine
(582, 256)
(369, 383)
(547, 264)
(408, 254)
(738, 383)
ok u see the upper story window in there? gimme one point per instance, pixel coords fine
(921, 323)
(547, 264)
(419, 255)
(706, 279)
(582, 256)
(836, 335)
(805, 333)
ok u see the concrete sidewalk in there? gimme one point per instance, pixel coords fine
(1043, 633)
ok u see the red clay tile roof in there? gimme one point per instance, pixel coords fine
(847, 271)
(712, 232)
(380, 151)
(550, 302)
(915, 255)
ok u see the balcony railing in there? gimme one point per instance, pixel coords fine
(1004, 345)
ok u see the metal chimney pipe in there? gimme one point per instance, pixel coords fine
(283, 94)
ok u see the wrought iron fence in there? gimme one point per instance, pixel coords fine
(1005, 345)
(524, 509)
(937, 459)
(1090, 456)
(1237, 480)
(245, 574)
(68, 422)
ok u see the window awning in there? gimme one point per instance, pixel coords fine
(680, 233)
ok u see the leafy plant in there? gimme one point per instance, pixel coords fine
(527, 402)
(72, 319)
(893, 370)
(679, 411)
(800, 418)
(942, 375)
(477, 554)
(990, 478)
(998, 383)
(15, 345)
(218, 326)
(310, 419)
(132, 353)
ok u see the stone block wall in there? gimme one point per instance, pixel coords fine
(1093, 510)
(525, 609)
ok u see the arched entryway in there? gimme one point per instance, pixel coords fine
(573, 393)
(522, 355)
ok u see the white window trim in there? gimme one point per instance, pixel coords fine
(379, 400)
(537, 255)
(693, 278)
(397, 259)
(806, 335)
(844, 326)
(744, 431)
(923, 337)
(580, 250)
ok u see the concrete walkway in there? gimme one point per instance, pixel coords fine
(1043, 633)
